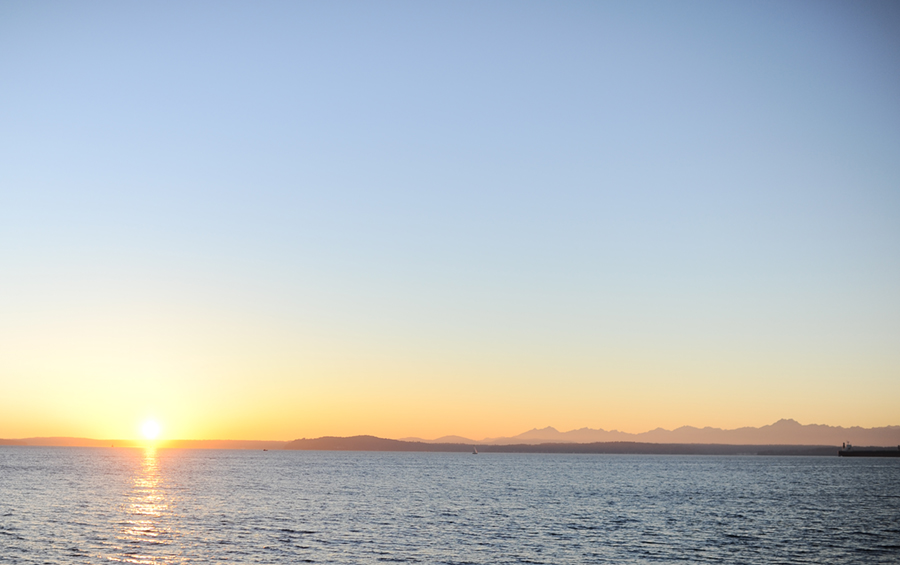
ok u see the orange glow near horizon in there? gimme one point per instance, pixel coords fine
(252, 391)
(397, 406)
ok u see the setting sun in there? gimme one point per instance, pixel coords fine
(150, 429)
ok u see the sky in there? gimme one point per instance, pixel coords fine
(274, 220)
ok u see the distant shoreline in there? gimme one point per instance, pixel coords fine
(175, 443)
(371, 443)
(782, 437)
(375, 444)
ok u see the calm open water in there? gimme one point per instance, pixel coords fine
(87, 505)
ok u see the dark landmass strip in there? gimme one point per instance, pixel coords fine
(222, 444)
(174, 443)
(638, 448)
(11, 442)
(371, 443)
(870, 452)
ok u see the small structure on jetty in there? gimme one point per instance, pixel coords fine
(848, 451)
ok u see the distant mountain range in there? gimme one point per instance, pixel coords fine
(782, 432)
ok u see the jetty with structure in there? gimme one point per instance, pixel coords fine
(848, 450)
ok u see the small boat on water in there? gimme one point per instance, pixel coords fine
(474, 451)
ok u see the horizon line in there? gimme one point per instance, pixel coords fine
(520, 438)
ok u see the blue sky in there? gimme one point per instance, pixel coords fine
(554, 197)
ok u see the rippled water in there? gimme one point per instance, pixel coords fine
(85, 505)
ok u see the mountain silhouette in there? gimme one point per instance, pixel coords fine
(782, 432)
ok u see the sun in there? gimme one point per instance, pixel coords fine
(150, 429)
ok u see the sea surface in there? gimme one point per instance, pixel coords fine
(92, 505)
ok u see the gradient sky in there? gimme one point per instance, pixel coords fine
(281, 219)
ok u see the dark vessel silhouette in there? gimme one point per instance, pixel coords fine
(848, 451)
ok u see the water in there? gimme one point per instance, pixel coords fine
(85, 505)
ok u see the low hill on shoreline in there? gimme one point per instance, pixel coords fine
(173, 443)
(371, 443)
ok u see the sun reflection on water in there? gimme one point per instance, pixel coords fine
(144, 530)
